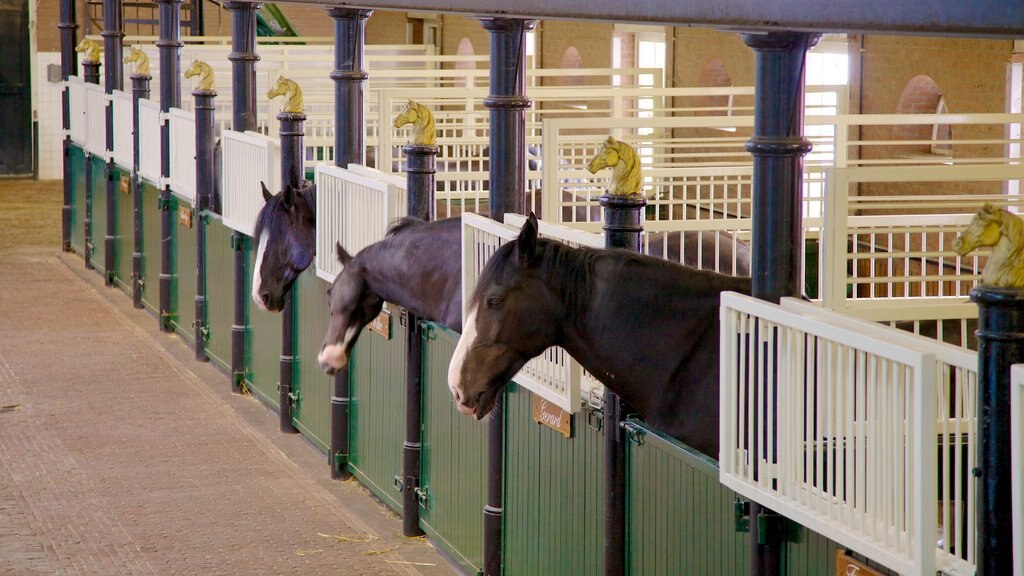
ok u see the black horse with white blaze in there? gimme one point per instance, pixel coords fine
(285, 237)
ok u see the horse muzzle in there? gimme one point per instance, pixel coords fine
(333, 359)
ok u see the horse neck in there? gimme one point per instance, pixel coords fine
(1011, 240)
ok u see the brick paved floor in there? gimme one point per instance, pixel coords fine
(121, 455)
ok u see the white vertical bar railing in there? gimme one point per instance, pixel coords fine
(249, 158)
(76, 100)
(183, 154)
(149, 137)
(96, 119)
(124, 153)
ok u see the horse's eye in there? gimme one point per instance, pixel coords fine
(493, 301)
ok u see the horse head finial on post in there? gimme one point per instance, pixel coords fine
(422, 120)
(141, 60)
(1004, 231)
(205, 73)
(625, 165)
(90, 49)
(292, 93)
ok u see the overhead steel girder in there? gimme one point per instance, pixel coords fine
(988, 18)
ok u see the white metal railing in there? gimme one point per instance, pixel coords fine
(149, 140)
(76, 100)
(124, 153)
(851, 449)
(353, 208)
(183, 154)
(96, 120)
(249, 158)
(1017, 461)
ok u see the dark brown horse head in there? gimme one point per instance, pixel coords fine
(352, 306)
(285, 237)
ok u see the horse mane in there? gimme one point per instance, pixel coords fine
(627, 181)
(272, 216)
(398, 226)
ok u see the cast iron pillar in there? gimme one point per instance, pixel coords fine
(68, 67)
(420, 203)
(349, 148)
(623, 225)
(140, 90)
(92, 76)
(205, 165)
(292, 174)
(169, 46)
(508, 103)
(243, 117)
(778, 148)
(1000, 346)
(113, 32)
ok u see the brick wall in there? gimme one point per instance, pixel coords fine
(455, 28)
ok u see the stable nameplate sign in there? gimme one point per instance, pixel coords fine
(847, 566)
(185, 216)
(382, 324)
(552, 416)
(125, 184)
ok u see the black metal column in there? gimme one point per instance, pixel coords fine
(778, 147)
(140, 90)
(243, 109)
(205, 164)
(92, 76)
(623, 224)
(68, 67)
(421, 172)
(349, 148)
(507, 184)
(1000, 346)
(113, 32)
(292, 174)
(169, 46)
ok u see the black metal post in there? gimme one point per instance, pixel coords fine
(1000, 345)
(420, 203)
(243, 110)
(140, 90)
(68, 67)
(292, 158)
(113, 32)
(778, 147)
(349, 148)
(169, 46)
(507, 184)
(205, 164)
(92, 76)
(623, 225)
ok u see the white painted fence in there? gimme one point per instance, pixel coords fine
(249, 158)
(1017, 461)
(354, 207)
(862, 412)
(76, 100)
(96, 120)
(183, 154)
(150, 121)
(124, 129)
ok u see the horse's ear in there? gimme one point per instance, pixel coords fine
(343, 256)
(610, 142)
(526, 245)
(266, 193)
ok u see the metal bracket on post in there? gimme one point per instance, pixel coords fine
(741, 515)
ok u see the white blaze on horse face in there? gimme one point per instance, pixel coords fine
(459, 359)
(334, 355)
(256, 277)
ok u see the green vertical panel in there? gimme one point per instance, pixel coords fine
(151, 232)
(680, 517)
(183, 266)
(125, 242)
(99, 211)
(377, 412)
(553, 504)
(220, 293)
(312, 416)
(453, 461)
(263, 342)
(77, 159)
(807, 553)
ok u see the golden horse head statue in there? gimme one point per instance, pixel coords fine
(422, 120)
(205, 73)
(625, 165)
(90, 50)
(140, 59)
(292, 93)
(1004, 232)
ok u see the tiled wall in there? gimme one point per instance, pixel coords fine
(48, 106)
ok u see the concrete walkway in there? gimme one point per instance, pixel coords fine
(119, 454)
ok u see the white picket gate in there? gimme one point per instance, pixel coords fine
(76, 101)
(183, 154)
(124, 129)
(150, 121)
(96, 120)
(249, 158)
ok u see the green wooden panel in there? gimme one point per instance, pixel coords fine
(680, 517)
(553, 505)
(151, 232)
(262, 343)
(183, 270)
(99, 212)
(220, 293)
(807, 553)
(453, 461)
(77, 159)
(377, 411)
(312, 415)
(124, 244)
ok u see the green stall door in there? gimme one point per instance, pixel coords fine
(183, 267)
(151, 232)
(312, 413)
(220, 292)
(77, 159)
(453, 461)
(99, 212)
(124, 244)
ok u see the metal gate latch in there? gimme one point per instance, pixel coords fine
(423, 497)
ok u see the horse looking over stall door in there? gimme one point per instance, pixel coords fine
(645, 327)
(285, 237)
